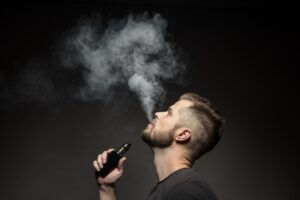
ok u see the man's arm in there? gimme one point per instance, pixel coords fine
(107, 190)
(107, 193)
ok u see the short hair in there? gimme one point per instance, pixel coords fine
(205, 122)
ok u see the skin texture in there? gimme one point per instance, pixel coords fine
(161, 131)
(166, 140)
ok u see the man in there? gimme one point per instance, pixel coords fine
(178, 137)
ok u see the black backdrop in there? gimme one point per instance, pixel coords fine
(243, 58)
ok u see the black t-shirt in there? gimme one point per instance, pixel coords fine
(183, 184)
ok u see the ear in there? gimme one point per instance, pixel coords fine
(183, 135)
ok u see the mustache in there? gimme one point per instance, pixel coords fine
(153, 121)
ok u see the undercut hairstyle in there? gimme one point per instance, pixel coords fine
(205, 122)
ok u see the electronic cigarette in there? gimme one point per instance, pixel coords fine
(113, 159)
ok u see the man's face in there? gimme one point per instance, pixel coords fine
(160, 132)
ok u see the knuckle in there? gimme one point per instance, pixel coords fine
(99, 157)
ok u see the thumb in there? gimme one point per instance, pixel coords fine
(121, 163)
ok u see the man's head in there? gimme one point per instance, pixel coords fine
(192, 122)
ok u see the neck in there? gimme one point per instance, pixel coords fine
(168, 160)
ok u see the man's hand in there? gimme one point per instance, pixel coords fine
(114, 175)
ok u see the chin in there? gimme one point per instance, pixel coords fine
(146, 131)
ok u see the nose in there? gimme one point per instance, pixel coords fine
(159, 114)
(156, 115)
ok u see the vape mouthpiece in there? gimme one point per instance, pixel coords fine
(124, 148)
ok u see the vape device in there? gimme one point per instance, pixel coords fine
(113, 159)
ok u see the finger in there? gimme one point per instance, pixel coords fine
(110, 150)
(121, 163)
(99, 161)
(96, 165)
(104, 157)
(105, 154)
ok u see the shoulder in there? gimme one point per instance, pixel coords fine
(191, 190)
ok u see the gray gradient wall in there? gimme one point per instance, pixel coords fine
(242, 59)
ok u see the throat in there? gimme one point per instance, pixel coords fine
(167, 162)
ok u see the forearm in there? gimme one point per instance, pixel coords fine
(107, 192)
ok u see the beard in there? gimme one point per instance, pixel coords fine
(158, 138)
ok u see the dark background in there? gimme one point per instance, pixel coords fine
(242, 56)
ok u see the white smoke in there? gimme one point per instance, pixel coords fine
(133, 52)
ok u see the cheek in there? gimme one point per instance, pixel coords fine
(163, 126)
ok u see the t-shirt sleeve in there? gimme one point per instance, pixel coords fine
(190, 190)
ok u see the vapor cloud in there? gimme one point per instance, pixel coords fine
(132, 51)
